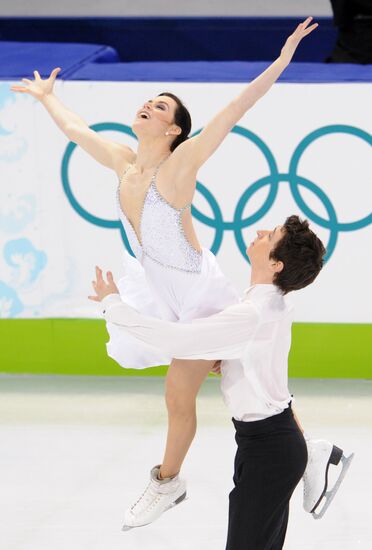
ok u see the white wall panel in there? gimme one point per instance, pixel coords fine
(48, 249)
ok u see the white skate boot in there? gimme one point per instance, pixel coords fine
(159, 496)
(321, 454)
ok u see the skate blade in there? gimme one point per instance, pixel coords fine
(130, 527)
(179, 500)
(330, 495)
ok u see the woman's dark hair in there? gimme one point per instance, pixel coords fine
(301, 252)
(182, 119)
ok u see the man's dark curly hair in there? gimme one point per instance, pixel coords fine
(301, 252)
(182, 119)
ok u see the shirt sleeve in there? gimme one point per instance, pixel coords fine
(221, 336)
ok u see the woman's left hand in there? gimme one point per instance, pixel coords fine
(293, 41)
(101, 288)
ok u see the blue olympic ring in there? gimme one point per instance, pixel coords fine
(273, 180)
(110, 224)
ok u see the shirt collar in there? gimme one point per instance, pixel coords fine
(263, 288)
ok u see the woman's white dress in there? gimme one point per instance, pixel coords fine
(168, 278)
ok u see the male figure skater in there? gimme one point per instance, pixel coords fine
(253, 340)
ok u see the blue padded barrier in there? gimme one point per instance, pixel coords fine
(20, 59)
(101, 63)
(177, 38)
(229, 71)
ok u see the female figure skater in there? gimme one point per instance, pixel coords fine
(171, 276)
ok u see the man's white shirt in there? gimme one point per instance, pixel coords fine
(252, 338)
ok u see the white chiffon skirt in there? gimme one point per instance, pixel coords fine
(168, 294)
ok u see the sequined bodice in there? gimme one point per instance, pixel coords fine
(161, 237)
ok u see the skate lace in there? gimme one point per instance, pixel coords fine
(141, 497)
(148, 499)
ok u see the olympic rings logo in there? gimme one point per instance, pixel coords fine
(272, 180)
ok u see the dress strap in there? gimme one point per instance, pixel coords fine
(158, 166)
(185, 208)
(153, 180)
(124, 173)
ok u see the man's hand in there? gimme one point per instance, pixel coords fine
(216, 369)
(101, 288)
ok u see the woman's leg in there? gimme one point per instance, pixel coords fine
(182, 384)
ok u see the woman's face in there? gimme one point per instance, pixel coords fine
(155, 117)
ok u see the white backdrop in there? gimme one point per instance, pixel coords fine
(48, 250)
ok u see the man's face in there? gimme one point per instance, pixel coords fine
(259, 250)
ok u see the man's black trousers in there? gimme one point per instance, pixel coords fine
(270, 461)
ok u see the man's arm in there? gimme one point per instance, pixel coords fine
(221, 336)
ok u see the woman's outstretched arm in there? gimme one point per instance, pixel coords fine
(201, 147)
(110, 154)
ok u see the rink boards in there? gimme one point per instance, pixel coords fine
(304, 149)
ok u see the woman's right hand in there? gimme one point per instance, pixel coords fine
(38, 88)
